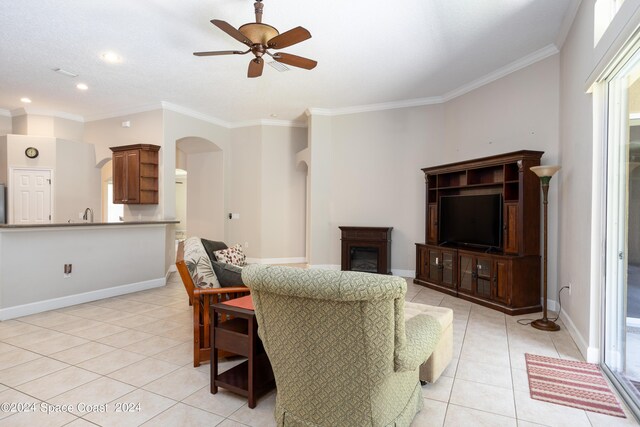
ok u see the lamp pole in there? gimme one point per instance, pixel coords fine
(545, 173)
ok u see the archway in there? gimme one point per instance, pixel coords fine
(199, 188)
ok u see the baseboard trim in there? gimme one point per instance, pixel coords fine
(403, 273)
(325, 266)
(587, 352)
(395, 272)
(298, 260)
(61, 302)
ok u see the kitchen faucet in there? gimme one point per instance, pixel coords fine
(90, 216)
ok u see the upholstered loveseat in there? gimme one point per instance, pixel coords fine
(341, 350)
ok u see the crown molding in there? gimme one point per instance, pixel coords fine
(318, 112)
(519, 64)
(567, 22)
(516, 65)
(268, 122)
(195, 114)
(123, 112)
(406, 103)
(42, 112)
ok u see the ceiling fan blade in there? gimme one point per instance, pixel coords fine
(289, 38)
(295, 61)
(255, 67)
(232, 31)
(220, 52)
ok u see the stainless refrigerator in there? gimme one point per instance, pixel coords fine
(3, 204)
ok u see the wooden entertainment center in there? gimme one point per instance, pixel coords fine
(506, 278)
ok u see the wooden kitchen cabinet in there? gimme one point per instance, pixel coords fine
(135, 174)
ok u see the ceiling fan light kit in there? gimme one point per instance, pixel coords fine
(259, 38)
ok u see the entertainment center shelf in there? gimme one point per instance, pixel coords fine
(504, 272)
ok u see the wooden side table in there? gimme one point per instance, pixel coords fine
(251, 378)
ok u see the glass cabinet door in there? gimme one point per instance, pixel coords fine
(483, 271)
(465, 284)
(435, 262)
(447, 269)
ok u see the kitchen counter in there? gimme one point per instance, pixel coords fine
(87, 224)
(49, 266)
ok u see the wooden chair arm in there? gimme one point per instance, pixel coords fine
(216, 291)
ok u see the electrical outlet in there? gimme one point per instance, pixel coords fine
(570, 286)
(67, 271)
(246, 244)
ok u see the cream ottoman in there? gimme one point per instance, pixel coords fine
(431, 370)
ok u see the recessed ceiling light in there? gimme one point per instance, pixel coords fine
(111, 57)
(25, 100)
(82, 86)
(273, 115)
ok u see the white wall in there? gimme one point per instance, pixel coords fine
(244, 194)
(374, 158)
(3, 160)
(176, 126)
(268, 190)
(146, 128)
(576, 136)
(77, 183)
(283, 186)
(76, 180)
(376, 178)
(39, 125)
(519, 111)
(205, 196)
(6, 125)
(181, 202)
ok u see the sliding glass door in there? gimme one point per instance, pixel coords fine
(622, 284)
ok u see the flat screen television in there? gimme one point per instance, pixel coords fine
(474, 220)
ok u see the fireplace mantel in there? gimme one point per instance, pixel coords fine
(367, 244)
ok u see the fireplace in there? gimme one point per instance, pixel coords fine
(363, 259)
(366, 249)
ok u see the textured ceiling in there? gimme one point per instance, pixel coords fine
(368, 52)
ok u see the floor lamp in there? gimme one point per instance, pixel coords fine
(545, 173)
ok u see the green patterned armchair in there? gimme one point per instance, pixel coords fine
(341, 351)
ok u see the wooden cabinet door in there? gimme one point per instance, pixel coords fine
(500, 291)
(422, 263)
(132, 176)
(432, 232)
(119, 178)
(510, 228)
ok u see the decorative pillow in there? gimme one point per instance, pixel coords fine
(228, 274)
(211, 246)
(232, 255)
(199, 264)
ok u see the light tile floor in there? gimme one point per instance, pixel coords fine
(134, 353)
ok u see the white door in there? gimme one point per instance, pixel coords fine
(31, 200)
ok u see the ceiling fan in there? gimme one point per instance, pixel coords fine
(259, 38)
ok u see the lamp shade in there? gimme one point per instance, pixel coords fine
(545, 171)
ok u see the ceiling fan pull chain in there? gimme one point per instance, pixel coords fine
(258, 5)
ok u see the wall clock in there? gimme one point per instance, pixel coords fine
(31, 152)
